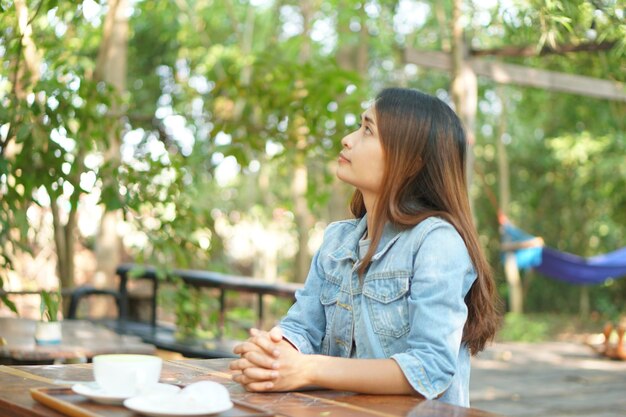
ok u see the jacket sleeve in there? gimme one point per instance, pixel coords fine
(442, 275)
(304, 326)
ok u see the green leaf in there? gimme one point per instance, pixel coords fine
(23, 133)
(52, 4)
(50, 303)
(10, 304)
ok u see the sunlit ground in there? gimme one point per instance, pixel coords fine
(547, 379)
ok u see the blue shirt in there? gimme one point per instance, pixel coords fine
(409, 307)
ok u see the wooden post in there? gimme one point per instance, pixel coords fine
(511, 270)
(464, 89)
(515, 284)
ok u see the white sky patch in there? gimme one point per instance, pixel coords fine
(216, 158)
(372, 9)
(88, 181)
(323, 32)
(131, 139)
(42, 196)
(53, 103)
(4, 130)
(68, 189)
(165, 177)
(273, 148)
(292, 22)
(410, 70)
(59, 26)
(74, 83)
(264, 4)
(201, 84)
(411, 15)
(176, 126)
(182, 69)
(92, 11)
(222, 139)
(254, 166)
(227, 171)
(93, 160)
(89, 222)
(66, 143)
(163, 111)
(157, 150)
(197, 107)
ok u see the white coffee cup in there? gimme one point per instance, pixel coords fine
(126, 375)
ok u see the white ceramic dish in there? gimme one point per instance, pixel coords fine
(151, 406)
(95, 393)
(197, 399)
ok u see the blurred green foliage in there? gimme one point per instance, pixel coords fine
(234, 77)
(545, 327)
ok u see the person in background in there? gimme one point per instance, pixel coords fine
(399, 298)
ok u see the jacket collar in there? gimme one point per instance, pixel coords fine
(351, 241)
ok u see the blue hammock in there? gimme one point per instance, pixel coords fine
(565, 266)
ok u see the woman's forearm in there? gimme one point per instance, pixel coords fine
(369, 376)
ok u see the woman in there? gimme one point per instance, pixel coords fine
(397, 299)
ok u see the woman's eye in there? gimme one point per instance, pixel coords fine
(368, 130)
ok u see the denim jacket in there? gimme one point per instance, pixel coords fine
(410, 306)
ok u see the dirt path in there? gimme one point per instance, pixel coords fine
(554, 379)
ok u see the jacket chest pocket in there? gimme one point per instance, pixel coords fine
(329, 297)
(387, 301)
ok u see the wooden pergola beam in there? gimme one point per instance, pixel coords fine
(531, 77)
(531, 50)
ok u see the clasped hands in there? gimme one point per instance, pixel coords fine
(269, 363)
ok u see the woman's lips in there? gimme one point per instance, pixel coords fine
(343, 159)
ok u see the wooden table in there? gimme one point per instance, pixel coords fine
(16, 381)
(81, 341)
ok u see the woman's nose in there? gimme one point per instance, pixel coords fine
(346, 142)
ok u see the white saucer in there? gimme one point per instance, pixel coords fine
(92, 391)
(168, 406)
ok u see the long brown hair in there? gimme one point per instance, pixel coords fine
(424, 148)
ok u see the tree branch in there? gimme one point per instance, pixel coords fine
(527, 51)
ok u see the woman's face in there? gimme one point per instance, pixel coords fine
(361, 162)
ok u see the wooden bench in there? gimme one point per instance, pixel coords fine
(163, 337)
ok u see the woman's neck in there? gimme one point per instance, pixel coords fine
(370, 203)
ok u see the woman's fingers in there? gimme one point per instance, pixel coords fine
(259, 386)
(240, 364)
(261, 341)
(253, 375)
(262, 360)
(264, 342)
(245, 347)
(259, 374)
(276, 334)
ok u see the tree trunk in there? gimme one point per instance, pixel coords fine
(585, 304)
(464, 88)
(64, 233)
(440, 13)
(111, 68)
(64, 239)
(299, 184)
(32, 57)
(511, 271)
